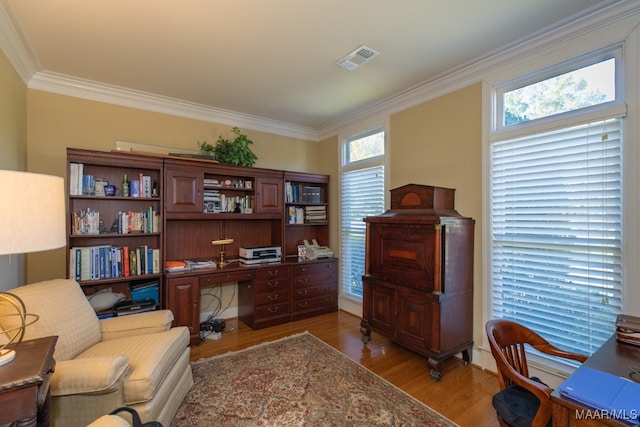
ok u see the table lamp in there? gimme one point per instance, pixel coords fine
(32, 219)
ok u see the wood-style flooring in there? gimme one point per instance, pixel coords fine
(463, 394)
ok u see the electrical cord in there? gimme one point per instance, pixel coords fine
(213, 325)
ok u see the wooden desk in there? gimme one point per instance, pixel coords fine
(613, 357)
(24, 383)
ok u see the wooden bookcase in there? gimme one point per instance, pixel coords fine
(106, 269)
(199, 201)
(306, 210)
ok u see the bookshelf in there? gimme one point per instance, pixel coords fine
(115, 241)
(181, 206)
(306, 210)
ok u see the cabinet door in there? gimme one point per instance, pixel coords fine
(269, 195)
(183, 190)
(381, 308)
(183, 301)
(414, 324)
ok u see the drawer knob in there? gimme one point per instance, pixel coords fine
(273, 297)
(273, 272)
(302, 304)
(273, 284)
(302, 292)
(273, 309)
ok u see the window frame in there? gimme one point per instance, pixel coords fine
(349, 302)
(617, 108)
(615, 52)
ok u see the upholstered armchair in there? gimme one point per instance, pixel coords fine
(136, 360)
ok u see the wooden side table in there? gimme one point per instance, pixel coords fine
(24, 383)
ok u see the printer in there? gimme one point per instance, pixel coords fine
(260, 254)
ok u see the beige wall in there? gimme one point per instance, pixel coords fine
(440, 143)
(56, 122)
(13, 135)
(435, 143)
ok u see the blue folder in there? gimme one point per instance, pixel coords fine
(618, 396)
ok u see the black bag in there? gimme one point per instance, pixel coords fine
(136, 418)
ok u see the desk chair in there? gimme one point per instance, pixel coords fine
(521, 401)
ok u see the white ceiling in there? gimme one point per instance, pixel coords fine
(273, 60)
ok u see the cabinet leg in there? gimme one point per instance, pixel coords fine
(365, 331)
(467, 355)
(435, 369)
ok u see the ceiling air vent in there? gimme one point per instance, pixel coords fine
(357, 58)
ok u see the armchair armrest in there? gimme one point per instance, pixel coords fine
(150, 322)
(92, 375)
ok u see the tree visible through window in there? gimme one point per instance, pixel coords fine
(556, 210)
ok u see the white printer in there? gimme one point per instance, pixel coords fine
(260, 254)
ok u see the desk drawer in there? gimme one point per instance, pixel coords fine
(320, 303)
(273, 272)
(272, 285)
(272, 298)
(225, 277)
(315, 274)
(263, 312)
(314, 291)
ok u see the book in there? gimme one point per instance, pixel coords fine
(603, 391)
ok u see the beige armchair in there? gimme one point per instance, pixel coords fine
(136, 360)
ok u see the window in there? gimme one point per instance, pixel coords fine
(362, 195)
(556, 219)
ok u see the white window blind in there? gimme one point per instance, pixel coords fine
(362, 195)
(557, 233)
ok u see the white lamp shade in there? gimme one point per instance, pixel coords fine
(32, 217)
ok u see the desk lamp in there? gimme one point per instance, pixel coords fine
(221, 243)
(32, 220)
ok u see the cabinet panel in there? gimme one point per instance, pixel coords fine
(381, 310)
(414, 318)
(183, 300)
(405, 253)
(269, 195)
(184, 190)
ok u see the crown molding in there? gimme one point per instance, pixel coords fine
(16, 51)
(71, 86)
(475, 71)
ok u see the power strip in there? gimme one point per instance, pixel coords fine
(214, 325)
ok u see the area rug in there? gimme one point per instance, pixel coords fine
(296, 381)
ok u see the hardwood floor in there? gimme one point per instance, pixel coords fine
(463, 394)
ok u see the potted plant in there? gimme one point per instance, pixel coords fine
(232, 151)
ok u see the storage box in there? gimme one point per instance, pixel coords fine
(628, 329)
(142, 291)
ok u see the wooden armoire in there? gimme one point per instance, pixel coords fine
(418, 282)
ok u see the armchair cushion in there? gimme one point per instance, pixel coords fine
(151, 357)
(88, 376)
(141, 324)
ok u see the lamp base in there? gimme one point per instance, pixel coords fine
(6, 356)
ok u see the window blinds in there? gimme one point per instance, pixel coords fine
(557, 233)
(362, 195)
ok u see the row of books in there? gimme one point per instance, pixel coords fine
(107, 262)
(306, 214)
(300, 193)
(88, 222)
(216, 202)
(141, 186)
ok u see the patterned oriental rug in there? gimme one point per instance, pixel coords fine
(296, 381)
